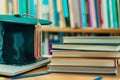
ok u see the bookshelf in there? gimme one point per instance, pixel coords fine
(80, 30)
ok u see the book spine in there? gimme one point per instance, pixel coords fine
(104, 14)
(111, 13)
(60, 8)
(39, 9)
(118, 7)
(56, 14)
(71, 14)
(84, 13)
(108, 13)
(100, 13)
(15, 6)
(66, 12)
(2, 7)
(32, 7)
(92, 13)
(10, 6)
(76, 13)
(115, 16)
(22, 6)
(97, 13)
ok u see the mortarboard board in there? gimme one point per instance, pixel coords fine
(17, 39)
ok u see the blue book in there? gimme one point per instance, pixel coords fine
(83, 13)
(56, 14)
(66, 11)
(65, 8)
(32, 8)
(22, 6)
(96, 12)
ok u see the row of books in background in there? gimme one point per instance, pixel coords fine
(90, 54)
(72, 13)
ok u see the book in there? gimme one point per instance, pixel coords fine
(79, 69)
(118, 8)
(84, 54)
(15, 7)
(31, 7)
(115, 15)
(97, 12)
(92, 39)
(100, 13)
(10, 6)
(3, 6)
(111, 14)
(71, 11)
(22, 6)
(66, 12)
(104, 14)
(87, 62)
(60, 7)
(92, 13)
(56, 14)
(90, 47)
(83, 13)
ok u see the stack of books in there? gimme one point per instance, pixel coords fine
(89, 54)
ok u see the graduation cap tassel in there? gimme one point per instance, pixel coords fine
(38, 41)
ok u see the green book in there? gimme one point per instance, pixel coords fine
(22, 6)
(115, 14)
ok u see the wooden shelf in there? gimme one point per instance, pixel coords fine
(79, 30)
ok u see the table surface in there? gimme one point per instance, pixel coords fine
(66, 76)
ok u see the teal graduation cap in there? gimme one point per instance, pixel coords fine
(17, 33)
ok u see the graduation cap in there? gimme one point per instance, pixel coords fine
(19, 39)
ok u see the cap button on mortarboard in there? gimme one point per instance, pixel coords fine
(17, 15)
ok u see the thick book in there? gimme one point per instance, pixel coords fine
(89, 47)
(87, 70)
(85, 54)
(92, 39)
(87, 62)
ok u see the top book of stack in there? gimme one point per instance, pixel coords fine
(92, 39)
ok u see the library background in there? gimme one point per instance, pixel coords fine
(82, 31)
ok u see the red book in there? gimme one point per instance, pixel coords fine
(100, 15)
